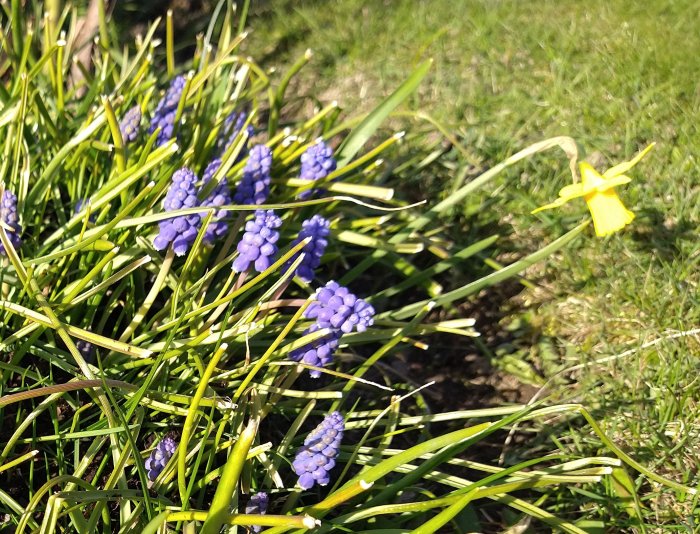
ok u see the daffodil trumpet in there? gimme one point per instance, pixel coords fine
(608, 212)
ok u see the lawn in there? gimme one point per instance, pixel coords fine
(615, 76)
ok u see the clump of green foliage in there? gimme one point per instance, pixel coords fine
(115, 348)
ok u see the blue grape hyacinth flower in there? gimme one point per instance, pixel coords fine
(257, 505)
(181, 231)
(318, 353)
(220, 196)
(80, 204)
(86, 349)
(254, 187)
(318, 229)
(317, 457)
(259, 242)
(158, 459)
(233, 124)
(129, 125)
(164, 114)
(338, 309)
(316, 162)
(8, 215)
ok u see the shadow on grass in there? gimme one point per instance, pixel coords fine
(662, 237)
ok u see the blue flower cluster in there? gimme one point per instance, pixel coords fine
(335, 308)
(254, 187)
(340, 311)
(8, 215)
(233, 124)
(158, 459)
(259, 243)
(220, 196)
(164, 114)
(317, 457)
(129, 126)
(319, 352)
(316, 162)
(318, 229)
(182, 230)
(257, 505)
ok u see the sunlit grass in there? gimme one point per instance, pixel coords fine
(614, 75)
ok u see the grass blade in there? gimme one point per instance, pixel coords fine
(360, 135)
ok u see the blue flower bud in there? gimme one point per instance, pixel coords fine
(164, 114)
(129, 126)
(257, 505)
(181, 231)
(233, 124)
(220, 196)
(336, 308)
(316, 162)
(254, 187)
(317, 457)
(8, 215)
(259, 242)
(80, 204)
(318, 229)
(318, 353)
(86, 349)
(158, 459)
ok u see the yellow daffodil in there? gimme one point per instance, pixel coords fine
(607, 210)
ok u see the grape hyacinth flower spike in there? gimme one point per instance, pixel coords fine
(82, 203)
(129, 126)
(233, 124)
(316, 162)
(317, 457)
(220, 196)
(158, 459)
(254, 187)
(181, 231)
(338, 309)
(257, 505)
(86, 349)
(318, 229)
(8, 215)
(259, 242)
(319, 352)
(164, 114)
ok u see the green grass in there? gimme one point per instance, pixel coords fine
(613, 75)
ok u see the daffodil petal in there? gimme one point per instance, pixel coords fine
(608, 212)
(558, 202)
(571, 191)
(623, 167)
(614, 182)
(590, 178)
